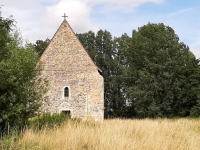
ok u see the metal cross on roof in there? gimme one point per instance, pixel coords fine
(64, 16)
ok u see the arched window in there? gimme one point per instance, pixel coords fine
(66, 92)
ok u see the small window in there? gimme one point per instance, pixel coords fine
(66, 92)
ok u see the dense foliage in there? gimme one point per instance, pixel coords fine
(156, 58)
(21, 89)
(103, 50)
(150, 74)
(40, 46)
(47, 120)
(188, 96)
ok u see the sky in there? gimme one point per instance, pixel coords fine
(40, 19)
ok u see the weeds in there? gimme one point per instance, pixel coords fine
(47, 120)
(117, 134)
(10, 138)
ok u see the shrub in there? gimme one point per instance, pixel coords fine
(48, 120)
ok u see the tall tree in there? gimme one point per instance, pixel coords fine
(40, 46)
(5, 27)
(151, 74)
(119, 98)
(187, 100)
(89, 40)
(155, 58)
(107, 54)
(21, 89)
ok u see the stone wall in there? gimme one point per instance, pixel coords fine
(67, 64)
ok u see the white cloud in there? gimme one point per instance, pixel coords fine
(77, 11)
(196, 52)
(122, 5)
(181, 11)
(39, 19)
(27, 13)
(195, 45)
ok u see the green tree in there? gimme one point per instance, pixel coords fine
(155, 58)
(4, 37)
(187, 100)
(107, 54)
(40, 46)
(89, 40)
(21, 88)
(119, 97)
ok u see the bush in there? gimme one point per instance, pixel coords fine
(48, 120)
(22, 89)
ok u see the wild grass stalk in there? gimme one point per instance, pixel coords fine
(116, 134)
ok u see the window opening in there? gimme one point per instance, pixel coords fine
(66, 92)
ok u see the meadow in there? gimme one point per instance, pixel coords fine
(112, 134)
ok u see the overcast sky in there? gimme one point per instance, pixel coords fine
(39, 19)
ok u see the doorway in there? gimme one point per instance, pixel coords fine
(67, 112)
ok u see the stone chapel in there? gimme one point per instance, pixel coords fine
(76, 84)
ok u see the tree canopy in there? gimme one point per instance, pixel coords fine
(151, 74)
(40, 46)
(146, 75)
(155, 57)
(21, 89)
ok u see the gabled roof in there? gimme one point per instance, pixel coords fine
(65, 22)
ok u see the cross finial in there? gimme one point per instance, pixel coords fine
(64, 16)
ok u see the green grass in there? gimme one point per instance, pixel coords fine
(47, 120)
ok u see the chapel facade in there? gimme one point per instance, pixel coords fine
(76, 85)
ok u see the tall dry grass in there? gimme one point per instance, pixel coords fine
(116, 134)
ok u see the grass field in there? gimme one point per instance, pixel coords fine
(113, 134)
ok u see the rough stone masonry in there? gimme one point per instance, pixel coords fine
(76, 84)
